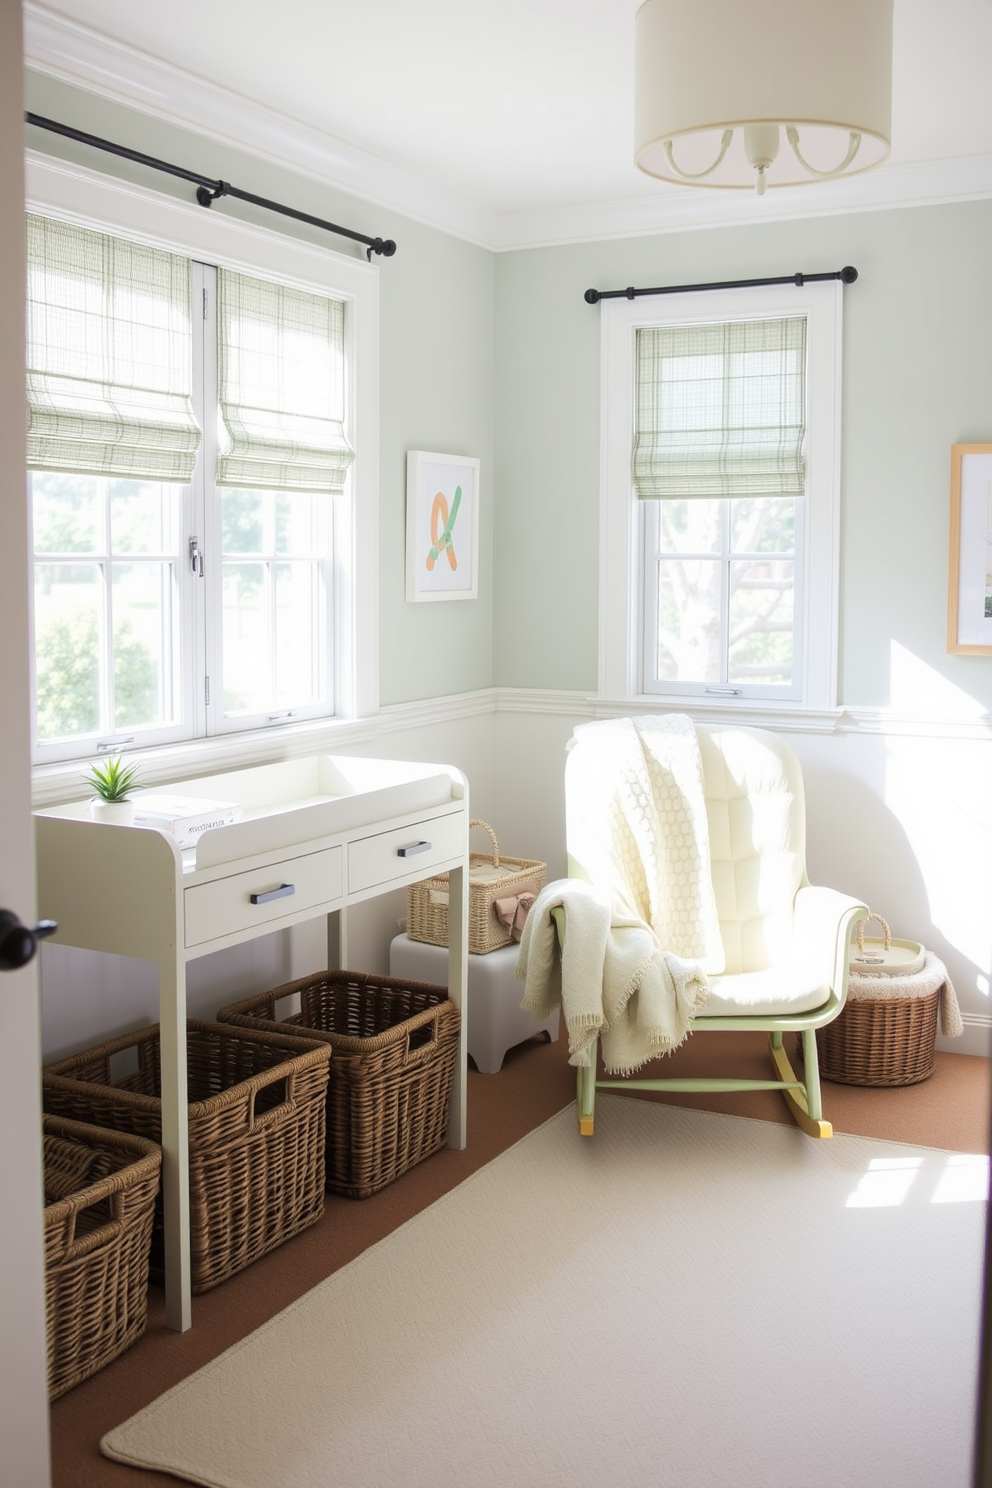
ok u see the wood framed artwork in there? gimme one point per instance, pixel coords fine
(969, 585)
(442, 526)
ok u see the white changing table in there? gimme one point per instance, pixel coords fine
(318, 834)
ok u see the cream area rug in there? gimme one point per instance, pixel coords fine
(686, 1299)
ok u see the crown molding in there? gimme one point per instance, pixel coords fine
(87, 59)
(84, 58)
(689, 209)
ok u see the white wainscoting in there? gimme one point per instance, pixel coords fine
(899, 813)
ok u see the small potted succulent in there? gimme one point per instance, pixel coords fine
(112, 782)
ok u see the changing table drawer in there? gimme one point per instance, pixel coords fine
(389, 855)
(225, 906)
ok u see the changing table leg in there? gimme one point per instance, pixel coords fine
(337, 940)
(458, 992)
(175, 1142)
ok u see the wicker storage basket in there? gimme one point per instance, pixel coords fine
(886, 1034)
(394, 1048)
(100, 1191)
(490, 877)
(256, 1133)
(885, 1041)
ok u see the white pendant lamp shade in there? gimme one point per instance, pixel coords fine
(749, 93)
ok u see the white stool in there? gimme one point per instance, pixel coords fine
(496, 1021)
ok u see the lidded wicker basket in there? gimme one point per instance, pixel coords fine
(886, 1034)
(490, 877)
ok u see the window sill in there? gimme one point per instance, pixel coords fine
(52, 785)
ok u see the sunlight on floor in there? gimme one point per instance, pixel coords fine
(963, 1179)
(887, 1182)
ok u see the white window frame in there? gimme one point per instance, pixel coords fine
(621, 576)
(92, 200)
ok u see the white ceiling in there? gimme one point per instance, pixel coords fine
(506, 120)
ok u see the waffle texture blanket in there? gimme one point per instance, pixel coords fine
(638, 946)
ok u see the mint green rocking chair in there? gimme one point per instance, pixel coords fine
(786, 943)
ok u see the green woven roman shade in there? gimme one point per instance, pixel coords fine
(721, 409)
(109, 359)
(281, 367)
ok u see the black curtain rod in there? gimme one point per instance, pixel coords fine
(209, 190)
(592, 296)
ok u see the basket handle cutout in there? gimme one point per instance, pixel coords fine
(86, 1244)
(277, 1113)
(283, 1008)
(123, 1065)
(422, 1042)
(478, 822)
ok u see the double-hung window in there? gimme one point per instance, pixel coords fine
(720, 498)
(191, 454)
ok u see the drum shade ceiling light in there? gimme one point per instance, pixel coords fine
(756, 93)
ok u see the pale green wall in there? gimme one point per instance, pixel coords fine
(436, 360)
(917, 379)
(498, 356)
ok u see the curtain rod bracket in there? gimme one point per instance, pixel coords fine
(205, 196)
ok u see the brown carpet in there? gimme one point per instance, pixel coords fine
(949, 1110)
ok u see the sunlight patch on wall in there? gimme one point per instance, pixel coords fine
(940, 791)
(916, 688)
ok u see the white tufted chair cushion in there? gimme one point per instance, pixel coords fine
(757, 825)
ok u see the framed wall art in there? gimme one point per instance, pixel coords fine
(442, 526)
(969, 587)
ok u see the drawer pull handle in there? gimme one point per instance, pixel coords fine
(283, 892)
(417, 847)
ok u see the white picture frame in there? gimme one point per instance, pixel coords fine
(442, 526)
(969, 588)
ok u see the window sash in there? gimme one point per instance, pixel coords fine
(94, 647)
(109, 356)
(720, 409)
(724, 557)
(281, 381)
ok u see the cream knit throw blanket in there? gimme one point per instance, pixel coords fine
(638, 946)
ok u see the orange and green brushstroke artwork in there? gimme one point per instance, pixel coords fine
(441, 518)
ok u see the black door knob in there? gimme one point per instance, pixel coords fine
(17, 942)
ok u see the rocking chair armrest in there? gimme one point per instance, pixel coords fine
(822, 926)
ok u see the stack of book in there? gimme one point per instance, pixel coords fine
(185, 817)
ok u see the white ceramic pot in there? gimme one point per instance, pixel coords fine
(121, 813)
